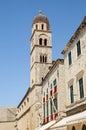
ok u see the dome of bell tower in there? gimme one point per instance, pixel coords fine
(40, 18)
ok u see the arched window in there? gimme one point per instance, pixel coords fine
(45, 59)
(36, 26)
(45, 42)
(73, 128)
(84, 127)
(40, 41)
(41, 59)
(42, 26)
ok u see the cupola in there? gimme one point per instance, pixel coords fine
(40, 22)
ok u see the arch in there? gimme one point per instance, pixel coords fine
(40, 41)
(45, 42)
(73, 128)
(84, 127)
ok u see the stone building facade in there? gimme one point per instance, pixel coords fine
(75, 81)
(75, 74)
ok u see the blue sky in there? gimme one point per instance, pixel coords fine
(16, 17)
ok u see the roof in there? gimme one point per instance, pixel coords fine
(79, 29)
(40, 18)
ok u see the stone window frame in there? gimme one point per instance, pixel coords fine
(78, 77)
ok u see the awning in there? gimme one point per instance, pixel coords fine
(70, 120)
(48, 125)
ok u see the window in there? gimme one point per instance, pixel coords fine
(54, 82)
(71, 94)
(51, 107)
(45, 42)
(69, 58)
(22, 106)
(81, 88)
(36, 26)
(40, 58)
(44, 110)
(42, 26)
(55, 103)
(43, 58)
(47, 108)
(78, 48)
(27, 99)
(51, 89)
(47, 90)
(25, 103)
(40, 41)
(51, 86)
(55, 89)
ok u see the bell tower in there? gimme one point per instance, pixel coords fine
(41, 49)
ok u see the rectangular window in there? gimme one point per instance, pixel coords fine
(71, 94)
(78, 48)
(81, 88)
(69, 58)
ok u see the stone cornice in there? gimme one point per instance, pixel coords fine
(39, 46)
(43, 31)
(39, 63)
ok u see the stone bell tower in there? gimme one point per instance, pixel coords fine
(41, 49)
